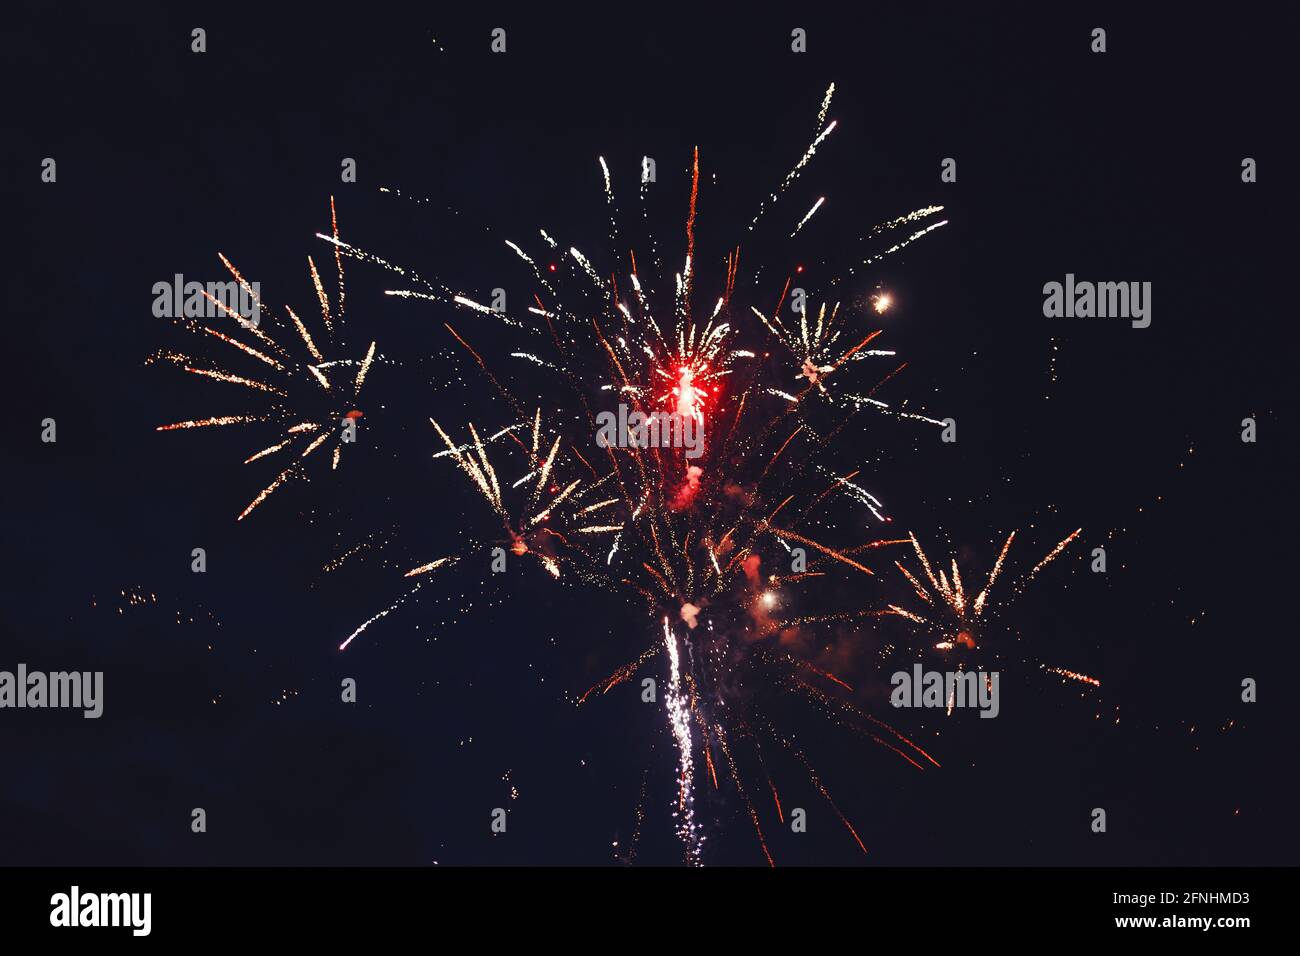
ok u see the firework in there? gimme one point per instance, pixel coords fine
(685, 534)
(953, 615)
(692, 533)
(311, 400)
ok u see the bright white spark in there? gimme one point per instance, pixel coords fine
(679, 719)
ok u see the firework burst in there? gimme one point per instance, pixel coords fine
(697, 533)
(954, 615)
(311, 399)
(686, 533)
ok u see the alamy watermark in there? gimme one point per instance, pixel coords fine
(81, 690)
(637, 429)
(1102, 300)
(75, 908)
(208, 300)
(949, 689)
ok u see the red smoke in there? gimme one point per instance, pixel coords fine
(687, 492)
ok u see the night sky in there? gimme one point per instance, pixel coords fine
(222, 688)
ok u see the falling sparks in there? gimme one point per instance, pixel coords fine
(680, 721)
(817, 205)
(1072, 675)
(426, 568)
(1051, 555)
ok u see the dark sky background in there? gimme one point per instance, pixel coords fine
(222, 689)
